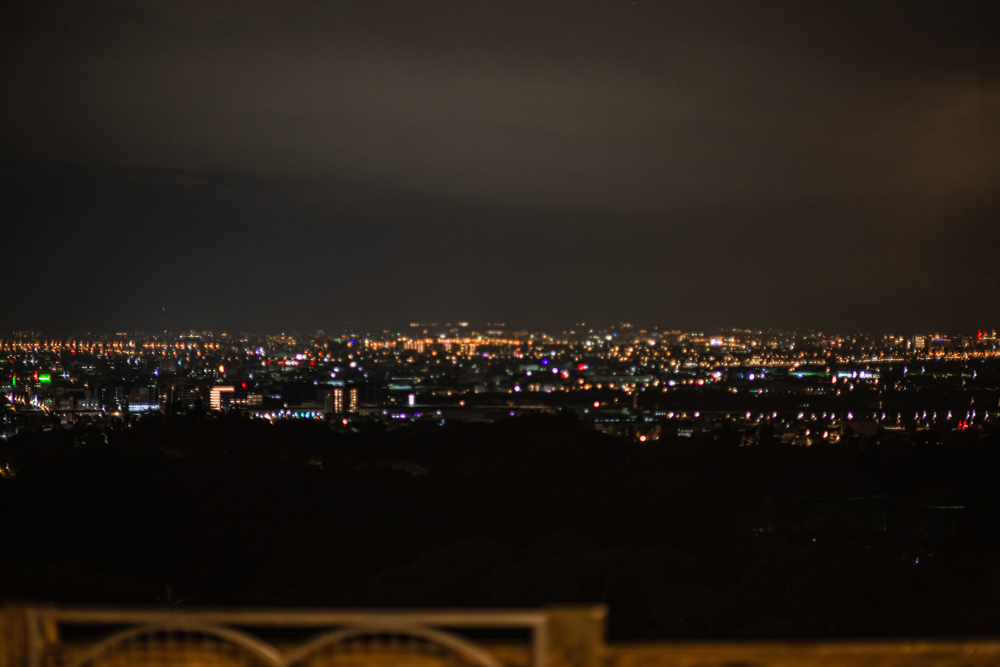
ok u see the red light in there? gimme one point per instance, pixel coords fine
(222, 369)
(244, 385)
(312, 363)
(642, 438)
(597, 404)
(581, 367)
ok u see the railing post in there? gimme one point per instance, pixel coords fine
(13, 636)
(575, 635)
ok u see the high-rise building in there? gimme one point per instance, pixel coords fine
(333, 400)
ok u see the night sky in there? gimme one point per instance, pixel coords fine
(280, 166)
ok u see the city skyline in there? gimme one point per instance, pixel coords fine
(624, 381)
(497, 329)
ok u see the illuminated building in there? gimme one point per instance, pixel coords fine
(246, 399)
(333, 400)
(215, 395)
(143, 399)
(418, 345)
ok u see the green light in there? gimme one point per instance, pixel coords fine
(45, 378)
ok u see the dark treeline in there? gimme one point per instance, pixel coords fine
(681, 538)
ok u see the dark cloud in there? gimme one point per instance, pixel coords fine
(540, 161)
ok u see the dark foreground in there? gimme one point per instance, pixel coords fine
(684, 538)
